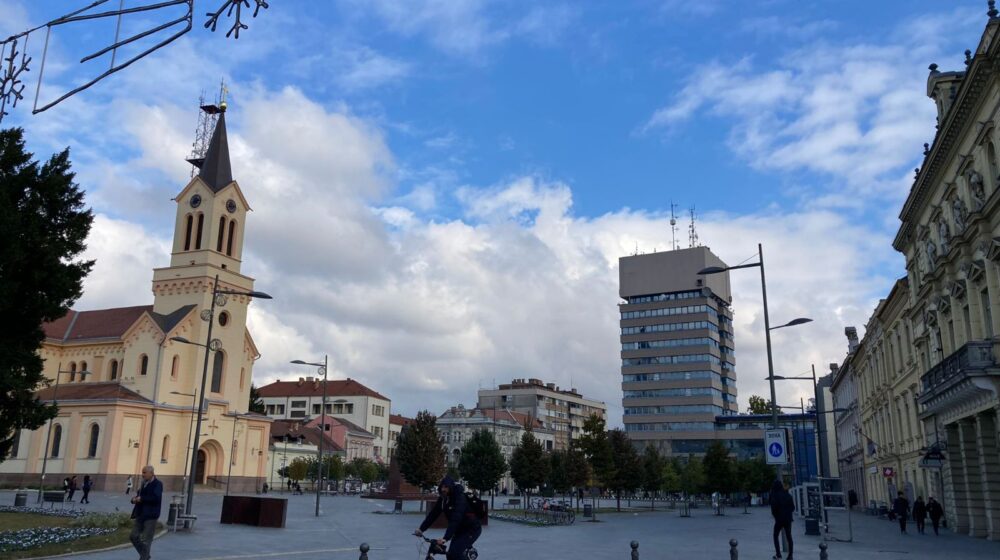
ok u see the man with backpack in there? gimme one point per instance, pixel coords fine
(463, 519)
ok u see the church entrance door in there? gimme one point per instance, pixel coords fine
(199, 472)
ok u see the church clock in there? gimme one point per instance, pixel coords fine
(195, 201)
(231, 205)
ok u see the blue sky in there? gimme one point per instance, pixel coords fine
(475, 168)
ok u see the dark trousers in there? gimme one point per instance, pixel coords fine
(462, 542)
(142, 536)
(778, 527)
(920, 524)
(71, 492)
(902, 523)
(85, 499)
(935, 523)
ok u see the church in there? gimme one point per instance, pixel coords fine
(127, 392)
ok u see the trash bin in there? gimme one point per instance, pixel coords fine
(588, 510)
(20, 499)
(398, 506)
(172, 512)
(812, 526)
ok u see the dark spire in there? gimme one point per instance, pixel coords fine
(215, 169)
(993, 9)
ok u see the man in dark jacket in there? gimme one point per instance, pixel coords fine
(901, 507)
(919, 514)
(146, 512)
(935, 512)
(782, 508)
(463, 525)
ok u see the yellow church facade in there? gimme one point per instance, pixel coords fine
(127, 394)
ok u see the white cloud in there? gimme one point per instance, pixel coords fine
(364, 68)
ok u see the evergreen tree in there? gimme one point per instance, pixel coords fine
(44, 227)
(256, 403)
(419, 451)
(627, 465)
(528, 464)
(652, 473)
(482, 464)
(596, 448)
(719, 475)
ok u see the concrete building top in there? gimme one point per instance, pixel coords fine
(672, 271)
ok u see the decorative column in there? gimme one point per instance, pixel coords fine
(989, 467)
(975, 501)
(955, 491)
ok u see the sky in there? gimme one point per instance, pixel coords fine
(441, 189)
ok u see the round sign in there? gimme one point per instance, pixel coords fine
(775, 449)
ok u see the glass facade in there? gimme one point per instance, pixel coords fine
(673, 409)
(672, 376)
(642, 345)
(671, 327)
(686, 392)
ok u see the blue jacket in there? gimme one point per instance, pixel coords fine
(151, 494)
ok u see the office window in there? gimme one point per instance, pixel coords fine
(298, 404)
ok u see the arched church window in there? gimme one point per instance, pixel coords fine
(83, 368)
(174, 366)
(222, 233)
(187, 232)
(201, 227)
(95, 433)
(217, 366)
(72, 371)
(114, 370)
(56, 440)
(232, 236)
(143, 364)
(165, 449)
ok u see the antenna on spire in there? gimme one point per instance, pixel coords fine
(673, 227)
(206, 125)
(693, 232)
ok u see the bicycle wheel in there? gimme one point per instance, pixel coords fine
(572, 516)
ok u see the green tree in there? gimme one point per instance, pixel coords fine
(44, 227)
(577, 470)
(299, 469)
(671, 476)
(762, 475)
(482, 464)
(558, 473)
(596, 447)
(256, 403)
(419, 451)
(627, 465)
(335, 469)
(719, 475)
(692, 476)
(652, 473)
(528, 464)
(760, 405)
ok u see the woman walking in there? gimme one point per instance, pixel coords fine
(87, 485)
(128, 485)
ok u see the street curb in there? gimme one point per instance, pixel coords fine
(108, 549)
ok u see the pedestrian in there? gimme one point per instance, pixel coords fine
(265, 488)
(901, 507)
(66, 488)
(919, 514)
(146, 512)
(128, 485)
(87, 485)
(464, 526)
(782, 508)
(72, 487)
(935, 512)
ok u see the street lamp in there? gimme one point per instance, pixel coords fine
(187, 450)
(322, 427)
(48, 436)
(767, 321)
(218, 298)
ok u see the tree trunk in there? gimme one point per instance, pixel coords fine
(618, 499)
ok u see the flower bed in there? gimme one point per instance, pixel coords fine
(27, 539)
(523, 520)
(42, 511)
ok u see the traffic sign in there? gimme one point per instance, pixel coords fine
(888, 472)
(775, 447)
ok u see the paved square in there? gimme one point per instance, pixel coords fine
(348, 521)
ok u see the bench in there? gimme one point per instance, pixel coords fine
(184, 521)
(54, 497)
(514, 501)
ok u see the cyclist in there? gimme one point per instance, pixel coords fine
(463, 525)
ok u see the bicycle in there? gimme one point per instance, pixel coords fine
(436, 548)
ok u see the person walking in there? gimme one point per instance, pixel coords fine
(72, 487)
(935, 512)
(782, 508)
(919, 514)
(66, 488)
(901, 507)
(128, 485)
(463, 524)
(87, 485)
(146, 512)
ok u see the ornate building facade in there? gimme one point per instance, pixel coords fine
(127, 393)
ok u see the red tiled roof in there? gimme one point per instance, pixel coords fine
(108, 323)
(304, 388)
(400, 420)
(86, 391)
(521, 418)
(296, 428)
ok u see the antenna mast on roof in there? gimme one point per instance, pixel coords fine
(206, 125)
(693, 233)
(673, 227)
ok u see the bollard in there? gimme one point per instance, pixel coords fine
(733, 553)
(635, 550)
(364, 551)
(822, 551)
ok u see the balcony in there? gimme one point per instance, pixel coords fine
(969, 372)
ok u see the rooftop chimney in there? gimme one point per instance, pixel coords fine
(852, 338)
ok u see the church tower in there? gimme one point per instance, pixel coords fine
(211, 214)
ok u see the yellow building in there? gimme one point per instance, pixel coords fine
(136, 406)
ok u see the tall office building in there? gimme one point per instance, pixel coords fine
(678, 366)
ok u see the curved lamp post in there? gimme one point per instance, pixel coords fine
(218, 299)
(322, 427)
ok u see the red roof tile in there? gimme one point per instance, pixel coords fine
(86, 391)
(304, 388)
(399, 420)
(296, 428)
(108, 323)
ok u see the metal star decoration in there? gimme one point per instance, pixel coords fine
(238, 5)
(11, 87)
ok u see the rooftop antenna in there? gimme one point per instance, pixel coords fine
(673, 227)
(636, 249)
(693, 233)
(206, 125)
